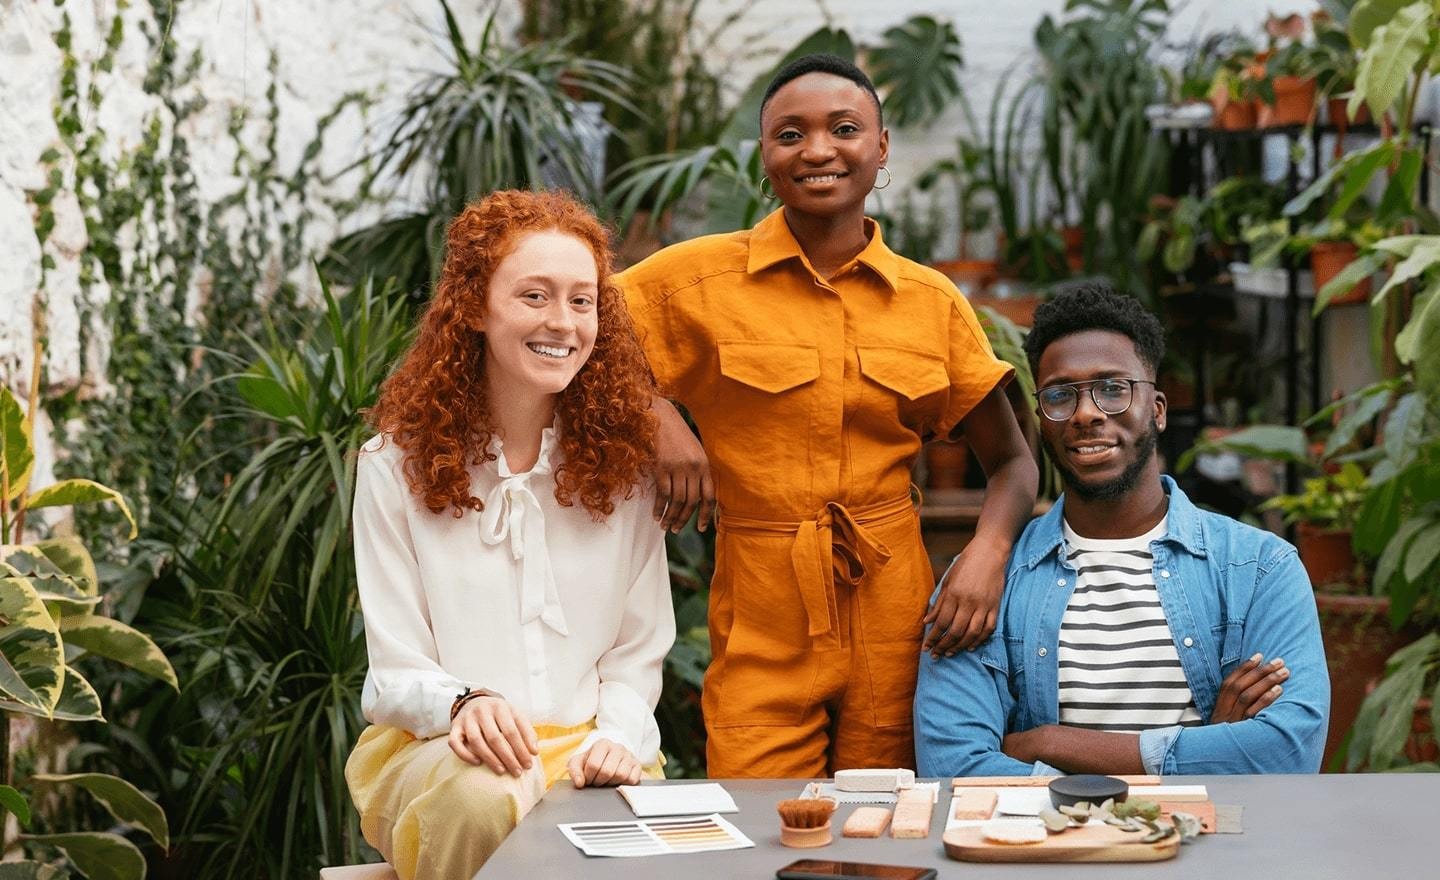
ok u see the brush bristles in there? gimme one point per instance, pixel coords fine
(805, 812)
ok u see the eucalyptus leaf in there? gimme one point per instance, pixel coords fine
(120, 642)
(97, 854)
(128, 804)
(69, 492)
(16, 455)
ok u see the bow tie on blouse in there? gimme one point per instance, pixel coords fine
(513, 511)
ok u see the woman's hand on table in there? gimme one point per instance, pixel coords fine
(604, 763)
(492, 732)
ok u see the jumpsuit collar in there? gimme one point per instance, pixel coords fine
(771, 242)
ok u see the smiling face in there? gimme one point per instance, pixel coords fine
(1101, 457)
(540, 315)
(822, 144)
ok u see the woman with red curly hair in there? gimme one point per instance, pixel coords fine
(514, 586)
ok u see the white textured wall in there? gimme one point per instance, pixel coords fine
(327, 48)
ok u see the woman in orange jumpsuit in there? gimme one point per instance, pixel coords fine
(815, 363)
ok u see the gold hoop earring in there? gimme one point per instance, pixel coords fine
(888, 177)
(764, 182)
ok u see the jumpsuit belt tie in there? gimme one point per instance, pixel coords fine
(833, 545)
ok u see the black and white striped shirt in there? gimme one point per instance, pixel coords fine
(1119, 670)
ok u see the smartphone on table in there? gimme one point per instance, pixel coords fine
(819, 869)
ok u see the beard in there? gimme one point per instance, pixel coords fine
(1123, 483)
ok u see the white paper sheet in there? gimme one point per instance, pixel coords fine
(678, 799)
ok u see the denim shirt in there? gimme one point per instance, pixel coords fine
(1229, 591)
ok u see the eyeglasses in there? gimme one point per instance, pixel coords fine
(1111, 396)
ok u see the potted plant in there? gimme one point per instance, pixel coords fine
(1323, 514)
(1334, 64)
(1239, 86)
(964, 172)
(1355, 623)
(1335, 244)
(1289, 68)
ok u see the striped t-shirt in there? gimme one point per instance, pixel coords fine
(1119, 670)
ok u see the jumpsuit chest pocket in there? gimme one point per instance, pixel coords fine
(901, 383)
(771, 367)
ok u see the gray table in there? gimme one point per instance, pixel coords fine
(1368, 826)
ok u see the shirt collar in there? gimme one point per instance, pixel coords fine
(1046, 534)
(771, 242)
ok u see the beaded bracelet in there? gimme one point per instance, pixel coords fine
(467, 695)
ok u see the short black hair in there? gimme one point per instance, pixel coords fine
(820, 62)
(1095, 305)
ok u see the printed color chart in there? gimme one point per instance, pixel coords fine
(655, 837)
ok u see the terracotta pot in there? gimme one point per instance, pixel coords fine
(1358, 640)
(946, 462)
(971, 276)
(1336, 111)
(1294, 103)
(1019, 309)
(1234, 115)
(1179, 391)
(1328, 259)
(1326, 554)
(1423, 743)
(1074, 239)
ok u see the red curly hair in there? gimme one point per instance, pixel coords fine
(433, 404)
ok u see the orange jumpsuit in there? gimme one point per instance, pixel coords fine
(812, 398)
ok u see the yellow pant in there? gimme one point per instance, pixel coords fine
(433, 816)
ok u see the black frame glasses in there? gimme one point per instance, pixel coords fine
(1112, 400)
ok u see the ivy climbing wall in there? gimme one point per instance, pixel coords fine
(164, 165)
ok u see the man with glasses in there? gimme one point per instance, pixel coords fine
(1138, 633)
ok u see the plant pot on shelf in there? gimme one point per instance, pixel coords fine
(946, 462)
(1327, 554)
(1074, 239)
(1328, 259)
(1234, 115)
(1294, 103)
(1358, 640)
(1337, 112)
(973, 277)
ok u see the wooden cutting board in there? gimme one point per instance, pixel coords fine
(1090, 843)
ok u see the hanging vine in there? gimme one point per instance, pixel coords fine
(172, 281)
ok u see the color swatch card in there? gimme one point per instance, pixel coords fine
(678, 799)
(655, 837)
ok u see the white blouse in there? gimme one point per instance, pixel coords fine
(566, 617)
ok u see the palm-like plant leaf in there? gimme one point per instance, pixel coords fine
(918, 65)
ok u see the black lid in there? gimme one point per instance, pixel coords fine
(1067, 790)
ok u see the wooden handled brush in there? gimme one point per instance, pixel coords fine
(805, 822)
